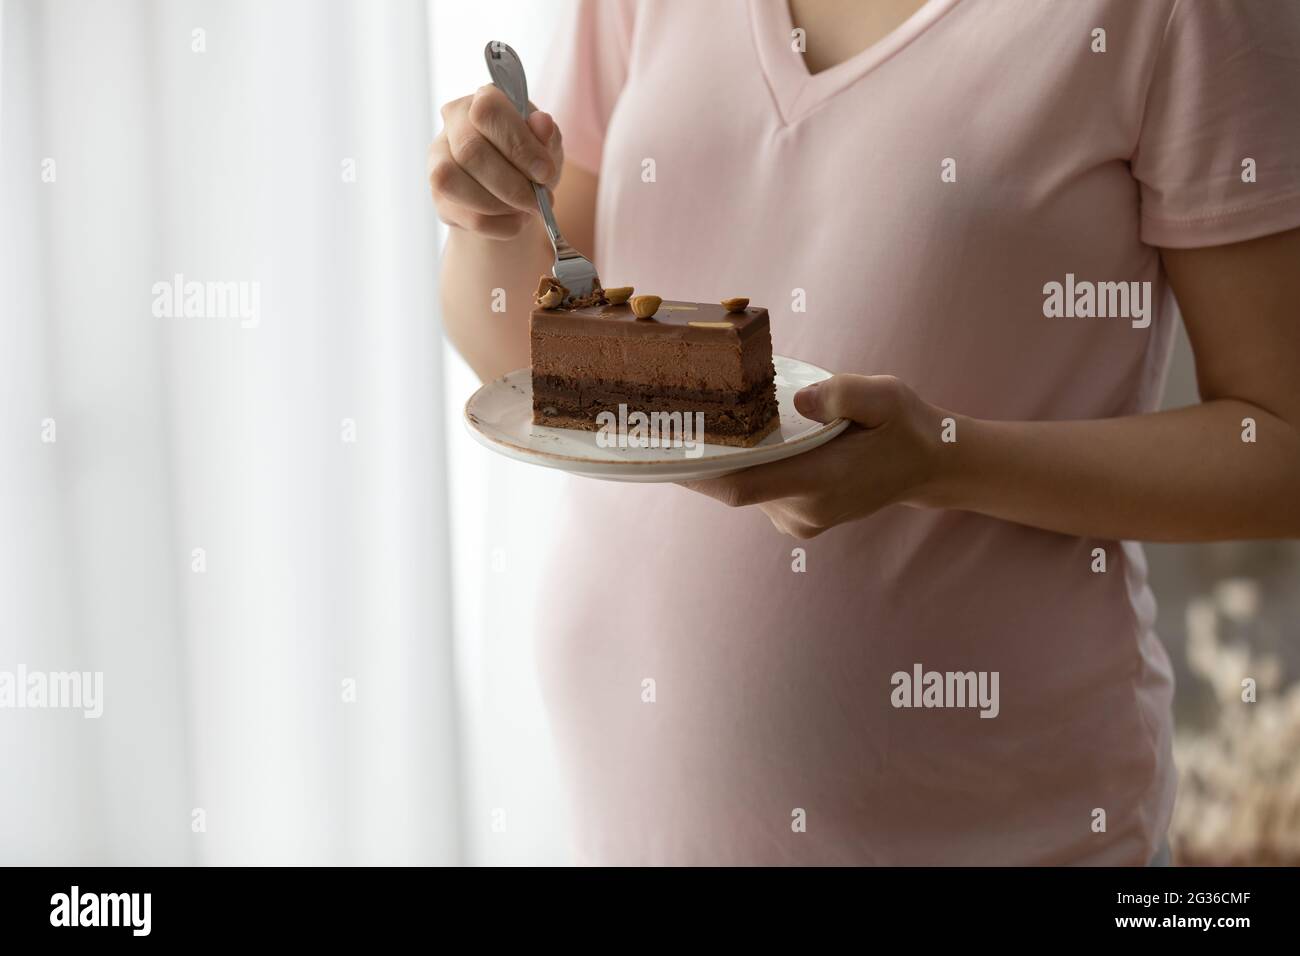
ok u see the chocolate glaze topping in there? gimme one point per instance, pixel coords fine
(692, 320)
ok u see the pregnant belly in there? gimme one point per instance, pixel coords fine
(718, 697)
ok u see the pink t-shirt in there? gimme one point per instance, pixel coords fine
(917, 198)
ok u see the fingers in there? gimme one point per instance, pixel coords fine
(789, 524)
(452, 184)
(463, 203)
(480, 159)
(485, 160)
(490, 227)
(498, 122)
(548, 132)
(869, 400)
(766, 491)
(543, 127)
(781, 479)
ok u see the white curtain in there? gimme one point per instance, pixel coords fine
(239, 516)
(503, 515)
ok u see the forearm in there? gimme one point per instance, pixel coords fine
(473, 267)
(1180, 475)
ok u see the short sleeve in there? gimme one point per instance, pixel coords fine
(588, 67)
(1225, 96)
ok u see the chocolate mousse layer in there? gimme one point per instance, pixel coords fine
(687, 358)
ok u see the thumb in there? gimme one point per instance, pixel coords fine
(542, 125)
(869, 400)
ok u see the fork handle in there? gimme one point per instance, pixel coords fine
(507, 72)
(561, 245)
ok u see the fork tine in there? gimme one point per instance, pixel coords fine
(577, 274)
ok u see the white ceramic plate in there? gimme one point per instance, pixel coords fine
(500, 416)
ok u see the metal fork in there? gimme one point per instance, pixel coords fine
(572, 269)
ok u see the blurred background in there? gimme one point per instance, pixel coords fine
(310, 594)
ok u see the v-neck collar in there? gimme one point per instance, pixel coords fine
(798, 92)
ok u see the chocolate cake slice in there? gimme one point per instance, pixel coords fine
(681, 357)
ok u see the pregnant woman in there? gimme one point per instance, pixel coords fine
(979, 213)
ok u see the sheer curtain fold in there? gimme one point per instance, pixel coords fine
(241, 520)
